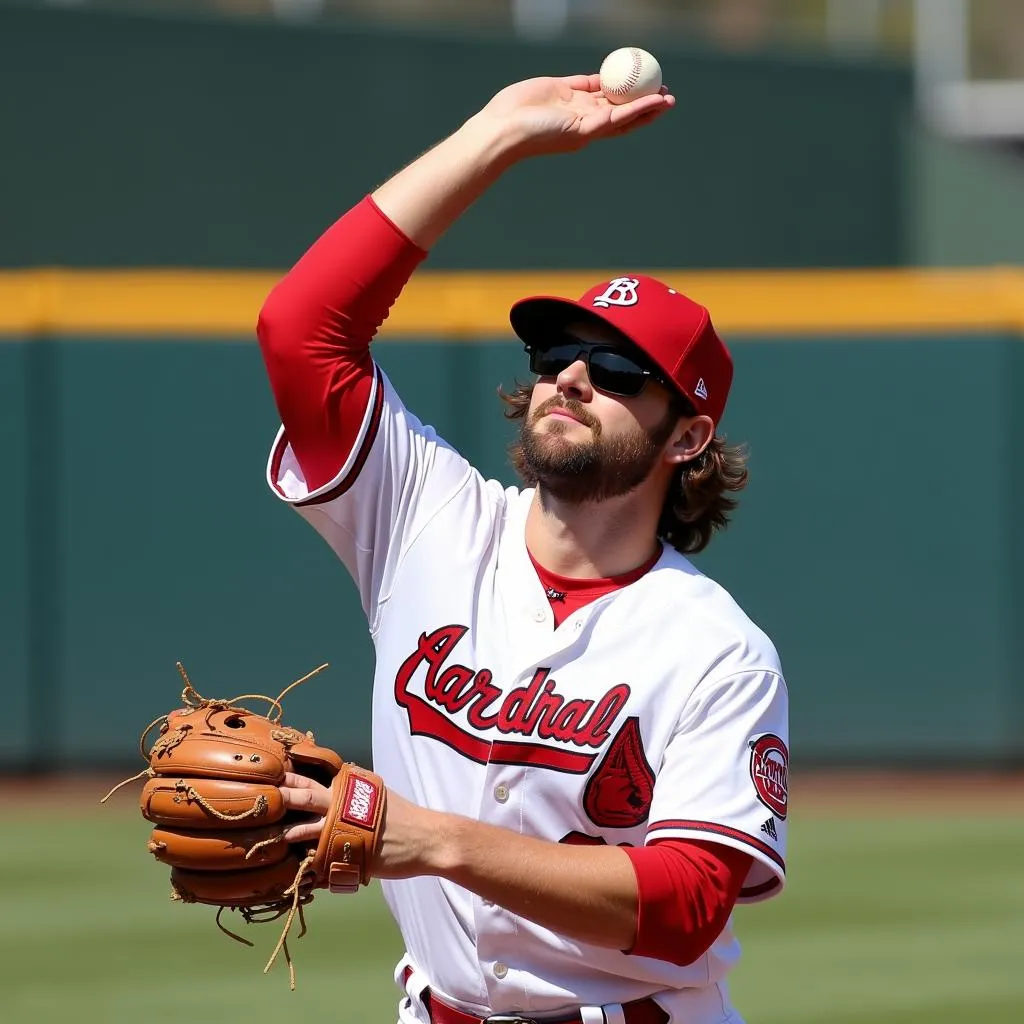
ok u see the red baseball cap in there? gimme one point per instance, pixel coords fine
(673, 331)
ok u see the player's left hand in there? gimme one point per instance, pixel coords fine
(555, 115)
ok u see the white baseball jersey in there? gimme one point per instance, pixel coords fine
(658, 710)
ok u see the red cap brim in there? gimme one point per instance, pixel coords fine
(533, 318)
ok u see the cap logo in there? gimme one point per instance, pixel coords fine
(701, 390)
(620, 292)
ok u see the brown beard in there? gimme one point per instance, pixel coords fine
(587, 471)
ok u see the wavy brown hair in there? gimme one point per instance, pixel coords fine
(698, 500)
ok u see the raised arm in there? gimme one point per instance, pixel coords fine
(531, 118)
(316, 326)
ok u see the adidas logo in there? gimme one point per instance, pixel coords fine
(701, 390)
(768, 828)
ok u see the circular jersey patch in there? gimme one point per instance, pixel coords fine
(769, 771)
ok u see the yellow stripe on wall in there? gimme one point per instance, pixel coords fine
(441, 304)
(147, 302)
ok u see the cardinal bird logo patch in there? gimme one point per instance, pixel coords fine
(769, 771)
(619, 792)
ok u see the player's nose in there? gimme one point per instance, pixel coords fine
(574, 382)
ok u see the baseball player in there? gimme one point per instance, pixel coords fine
(584, 738)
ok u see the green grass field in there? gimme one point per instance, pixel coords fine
(901, 919)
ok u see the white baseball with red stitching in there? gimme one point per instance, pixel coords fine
(629, 73)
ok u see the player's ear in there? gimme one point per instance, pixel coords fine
(692, 435)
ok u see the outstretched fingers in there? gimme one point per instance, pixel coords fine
(645, 107)
(304, 794)
(301, 793)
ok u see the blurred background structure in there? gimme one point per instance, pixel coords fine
(955, 161)
(842, 183)
(975, 39)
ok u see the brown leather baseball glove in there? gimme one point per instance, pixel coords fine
(212, 794)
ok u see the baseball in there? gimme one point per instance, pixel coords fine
(629, 73)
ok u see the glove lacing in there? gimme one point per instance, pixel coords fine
(170, 738)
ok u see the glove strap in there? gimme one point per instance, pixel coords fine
(351, 830)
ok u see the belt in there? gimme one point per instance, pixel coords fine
(639, 1011)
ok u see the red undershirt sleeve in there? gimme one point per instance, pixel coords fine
(315, 330)
(687, 890)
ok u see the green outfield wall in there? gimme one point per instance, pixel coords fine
(159, 141)
(878, 543)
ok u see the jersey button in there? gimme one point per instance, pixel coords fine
(539, 615)
(501, 792)
(500, 970)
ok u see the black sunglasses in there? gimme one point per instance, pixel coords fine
(610, 370)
